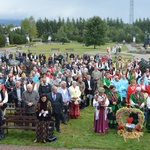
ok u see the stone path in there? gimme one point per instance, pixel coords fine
(14, 147)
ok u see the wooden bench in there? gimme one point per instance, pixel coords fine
(70, 49)
(10, 107)
(55, 49)
(19, 120)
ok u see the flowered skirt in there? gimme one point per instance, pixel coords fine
(74, 110)
(42, 129)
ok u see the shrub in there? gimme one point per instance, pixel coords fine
(2, 40)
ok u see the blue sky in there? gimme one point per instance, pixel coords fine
(20, 9)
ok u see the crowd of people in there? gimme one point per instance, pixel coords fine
(60, 85)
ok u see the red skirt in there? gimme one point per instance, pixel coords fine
(74, 110)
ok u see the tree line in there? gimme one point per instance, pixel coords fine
(93, 31)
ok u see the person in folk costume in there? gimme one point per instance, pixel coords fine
(137, 100)
(131, 89)
(43, 111)
(15, 70)
(148, 111)
(138, 71)
(115, 104)
(106, 82)
(3, 105)
(132, 75)
(119, 63)
(100, 115)
(75, 100)
(143, 86)
(117, 73)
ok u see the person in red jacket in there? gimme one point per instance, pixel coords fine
(131, 89)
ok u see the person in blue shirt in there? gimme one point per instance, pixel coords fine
(144, 78)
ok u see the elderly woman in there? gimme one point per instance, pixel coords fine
(115, 104)
(100, 116)
(75, 100)
(43, 111)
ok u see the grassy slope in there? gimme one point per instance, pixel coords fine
(78, 133)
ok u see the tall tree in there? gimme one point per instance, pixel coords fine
(29, 25)
(95, 32)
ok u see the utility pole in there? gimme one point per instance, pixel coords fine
(131, 13)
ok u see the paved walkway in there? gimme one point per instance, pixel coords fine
(14, 147)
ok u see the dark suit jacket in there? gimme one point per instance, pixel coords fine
(14, 93)
(90, 69)
(87, 86)
(68, 66)
(57, 104)
(68, 84)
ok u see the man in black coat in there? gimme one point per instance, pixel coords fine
(17, 94)
(89, 90)
(57, 104)
(44, 87)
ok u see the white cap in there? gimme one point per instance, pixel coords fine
(138, 89)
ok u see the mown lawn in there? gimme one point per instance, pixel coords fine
(78, 133)
(78, 47)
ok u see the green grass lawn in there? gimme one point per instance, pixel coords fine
(78, 47)
(78, 133)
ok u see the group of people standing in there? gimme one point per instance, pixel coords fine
(58, 89)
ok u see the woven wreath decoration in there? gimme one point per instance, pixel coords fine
(127, 111)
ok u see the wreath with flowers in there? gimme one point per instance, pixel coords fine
(122, 118)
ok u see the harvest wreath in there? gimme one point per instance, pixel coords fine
(128, 111)
(127, 129)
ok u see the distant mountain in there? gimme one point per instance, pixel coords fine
(10, 21)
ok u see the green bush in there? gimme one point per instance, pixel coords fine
(2, 40)
(12, 45)
(16, 38)
(64, 40)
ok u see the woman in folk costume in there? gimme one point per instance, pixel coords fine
(143, 86)
(132, 75)
(131, 89)
(115, 104)
(148, 112)
(100, 116)
(137, 100)
(74, 106)
(3, 105)
(43, 111)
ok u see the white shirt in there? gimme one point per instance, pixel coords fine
(18, 93)
(89, 83)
